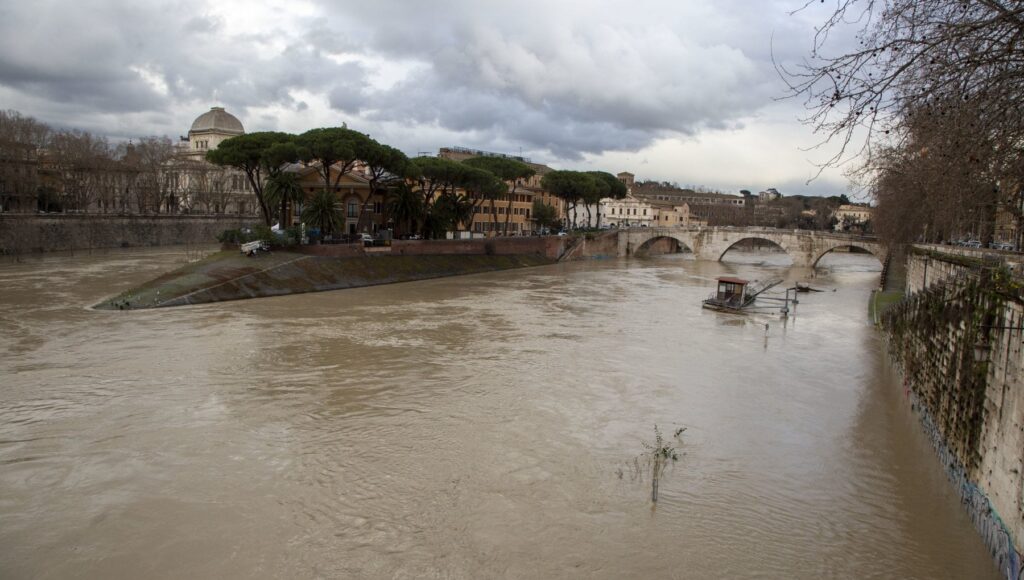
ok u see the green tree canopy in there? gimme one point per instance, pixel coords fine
(615, 188)
(544, 215)
(507, 170)
(329, 146)
(384, 163)
(482, 186)
(511, 172)
(570, 186)
(251, 154)
(434, 175)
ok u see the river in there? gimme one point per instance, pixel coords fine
(472, 427)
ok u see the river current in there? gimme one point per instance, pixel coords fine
(472, 427)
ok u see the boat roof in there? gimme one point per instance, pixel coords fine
(733, 280)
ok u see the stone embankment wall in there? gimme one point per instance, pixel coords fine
(958, 341)
(229, 275)
(930, 264)
(20, 234)
(547, 246)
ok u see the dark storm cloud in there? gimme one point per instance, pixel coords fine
(569, 79)
(130, 57)
(564, 78)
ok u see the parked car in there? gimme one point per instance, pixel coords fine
(972, 244)
(367, 239)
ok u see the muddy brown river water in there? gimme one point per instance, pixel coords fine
(471, 427)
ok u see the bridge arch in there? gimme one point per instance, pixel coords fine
(876, 252)
(681, 245)
(778, 244)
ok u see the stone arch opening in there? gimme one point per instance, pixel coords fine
(849, 248)
(659, 245)
(749, 247)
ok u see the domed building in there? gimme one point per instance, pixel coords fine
(210, 129)
(199, 187)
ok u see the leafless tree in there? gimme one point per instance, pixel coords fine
(154, 183)
(14, 127)
(912, 55)
(206, 187)
(82, 163)
(929, 103)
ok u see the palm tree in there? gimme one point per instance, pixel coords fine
(461, 209)
(324, 212)
(406, 207)
(283, 189)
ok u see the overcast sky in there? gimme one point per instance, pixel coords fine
(678, 90)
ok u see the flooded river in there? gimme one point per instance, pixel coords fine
(473, 427)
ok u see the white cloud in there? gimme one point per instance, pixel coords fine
(569, 82)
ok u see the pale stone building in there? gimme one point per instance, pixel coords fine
(209, 130)
(200, 186)
(852, 215)
(627, 212)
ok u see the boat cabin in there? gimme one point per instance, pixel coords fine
(731, 290)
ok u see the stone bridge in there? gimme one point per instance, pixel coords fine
(805, 247)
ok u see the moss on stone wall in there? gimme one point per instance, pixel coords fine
(939, 337)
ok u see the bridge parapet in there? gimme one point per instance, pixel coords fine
(805, 247)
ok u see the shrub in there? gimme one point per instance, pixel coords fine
(231, 237)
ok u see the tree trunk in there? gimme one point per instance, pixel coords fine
(257, 190)
(494, 220)
(508, 209)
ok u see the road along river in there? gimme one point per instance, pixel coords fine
(469, 427)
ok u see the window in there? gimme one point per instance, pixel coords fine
(353, 208)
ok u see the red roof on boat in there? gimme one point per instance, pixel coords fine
(733, 280)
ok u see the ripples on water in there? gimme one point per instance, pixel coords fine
(464, 427)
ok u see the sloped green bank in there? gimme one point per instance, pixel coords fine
(231, 276)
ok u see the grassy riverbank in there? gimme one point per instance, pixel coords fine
(229, 275)
(880, 300)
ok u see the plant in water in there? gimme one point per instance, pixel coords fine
(657, 456)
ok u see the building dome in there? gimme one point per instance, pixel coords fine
(217, 120)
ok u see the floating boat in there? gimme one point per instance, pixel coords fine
(736, 294)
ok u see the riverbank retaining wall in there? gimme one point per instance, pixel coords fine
(550, 247)
(930, 264)
(957, 339)
(21, 234)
